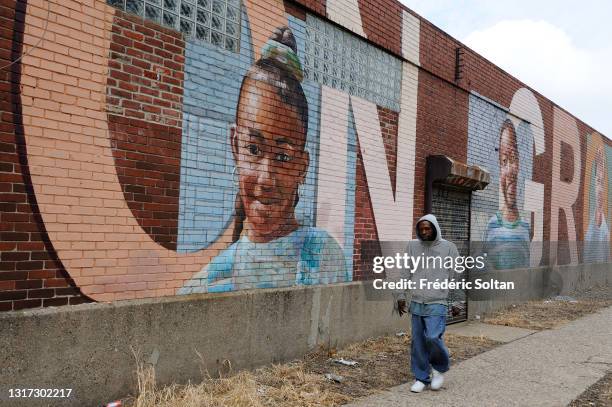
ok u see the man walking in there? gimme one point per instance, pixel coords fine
(428, 306)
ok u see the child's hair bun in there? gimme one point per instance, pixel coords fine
(281, 50)
(284, 35)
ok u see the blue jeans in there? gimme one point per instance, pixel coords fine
(427, 348)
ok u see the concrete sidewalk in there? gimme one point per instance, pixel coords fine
(497, 333)
(548, 368)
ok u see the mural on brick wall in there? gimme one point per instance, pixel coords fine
(596, 202)
(502, 143)
(154, 148)
(270, 246)
(565, 191)
(608, 186)
(280, 186)
(200, 149)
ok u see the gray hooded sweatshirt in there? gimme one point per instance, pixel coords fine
(438, 247)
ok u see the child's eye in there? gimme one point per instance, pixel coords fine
(253, 149)
(283, 157)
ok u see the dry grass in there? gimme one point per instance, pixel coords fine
(293, 385)
(539, 315)
(382, 363)
(277, 385)
(239, 390)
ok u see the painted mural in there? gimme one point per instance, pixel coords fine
(270, 247)
(596, 202)
(157, 148)
(221, 160)
(499, 219)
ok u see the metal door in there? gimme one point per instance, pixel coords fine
(451, 206)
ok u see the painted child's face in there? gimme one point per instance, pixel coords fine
(268, 145)
(509, 167)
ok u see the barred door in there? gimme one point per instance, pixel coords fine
(451, 206)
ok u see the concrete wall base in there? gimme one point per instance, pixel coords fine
(89, 347)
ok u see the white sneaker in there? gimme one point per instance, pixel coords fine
(417, 386)
(437, 380)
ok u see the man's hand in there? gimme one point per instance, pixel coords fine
(401, 307)
(455, 310)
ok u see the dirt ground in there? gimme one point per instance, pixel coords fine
(381, 363)
(385, 362)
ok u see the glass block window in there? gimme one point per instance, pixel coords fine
(214, 21)
(343, 61)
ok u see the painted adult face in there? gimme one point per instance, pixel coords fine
(599, 182)
(268, 145)
(509, 167)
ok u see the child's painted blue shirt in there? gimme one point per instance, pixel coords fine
(304, 257)
(507, 243)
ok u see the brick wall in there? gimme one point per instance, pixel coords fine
(31, 275)
(438, 133)
(118, 177)
(144, 104)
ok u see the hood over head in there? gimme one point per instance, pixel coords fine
(432, 219)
